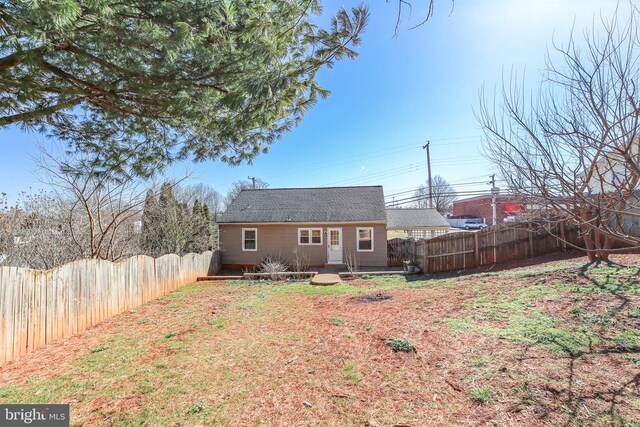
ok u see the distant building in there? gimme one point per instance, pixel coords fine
(507, 207)
(419, 223)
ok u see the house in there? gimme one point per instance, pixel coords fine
(327, 225)
(419, 223)
(480, 207)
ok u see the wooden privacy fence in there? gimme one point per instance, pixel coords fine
(500, 243)
(40, 307)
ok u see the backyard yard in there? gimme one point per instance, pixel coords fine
(547, 344)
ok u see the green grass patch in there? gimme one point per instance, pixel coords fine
(352, 374)
(575, 310)
(628, 340)
(482, 395)
(634, 312)
(400, 345)
(458, 325)
(7, 391)
(539, 329)
(337, 321)
(100, 348)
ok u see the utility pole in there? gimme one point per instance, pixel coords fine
(494, 192)
(426, 147)
(253, 179)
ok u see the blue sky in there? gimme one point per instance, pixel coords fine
(401, 91)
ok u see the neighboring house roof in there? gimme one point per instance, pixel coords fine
(329, 204)
(415, 217)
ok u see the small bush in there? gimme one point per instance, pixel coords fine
(273, 265)
(351, 262)
(337, 321)
(482, 394)
(101, 348)
(575, 310)
(300, 260)
(171, 334)
(196, 408)
(400, 345)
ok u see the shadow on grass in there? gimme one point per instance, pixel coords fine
(588, 398)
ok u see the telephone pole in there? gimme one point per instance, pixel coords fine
(253, 179)
(426, 147)
(494, 192)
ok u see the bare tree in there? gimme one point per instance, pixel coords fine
(573, 149)
(205, 194)
(443, 195)
(34, 233)
(240, 185)
(100, 213)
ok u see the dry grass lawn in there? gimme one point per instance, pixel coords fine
(540, 345)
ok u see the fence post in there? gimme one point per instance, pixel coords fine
(563, 240)
(530, 234)
(476, 249)
(426, 254)
(414, 249)
(495, 247)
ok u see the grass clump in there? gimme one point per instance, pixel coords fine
(171, 335)
(196, 408)
(352, 374)
(482, 394)
(337, 321)
(635, 313)
(400, 345)
(100, 348)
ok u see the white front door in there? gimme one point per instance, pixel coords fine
(334, 245)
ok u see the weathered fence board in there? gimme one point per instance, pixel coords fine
(40, 307)
(497, 244)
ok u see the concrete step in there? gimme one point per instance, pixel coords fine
(336, 266)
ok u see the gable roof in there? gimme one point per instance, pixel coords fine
(415, 217)
(325, 204)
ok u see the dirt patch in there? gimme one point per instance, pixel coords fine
(373, 298)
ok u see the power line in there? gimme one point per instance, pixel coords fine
(458, 193)
(376, 153)
(380, 174)
(418, 188)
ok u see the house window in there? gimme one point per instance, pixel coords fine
(365, 239)
(249, 239)
(309, 236)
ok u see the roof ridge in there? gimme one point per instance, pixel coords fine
(410, 209)
(312, 188)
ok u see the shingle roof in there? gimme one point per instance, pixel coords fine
(414, 217)
(330, 204)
